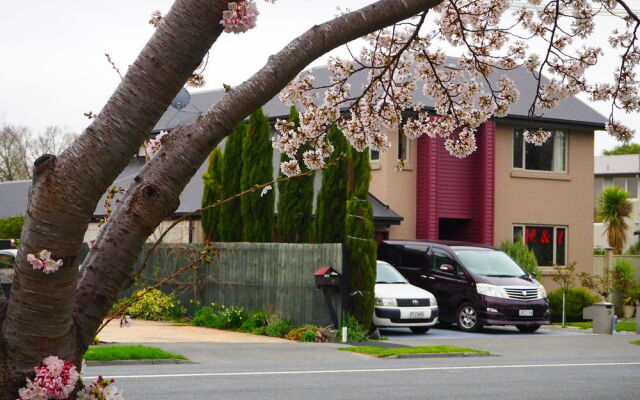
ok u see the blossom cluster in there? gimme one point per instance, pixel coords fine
(55, 379)
(403, 59)
(240, 17)
(42, 261)
(156, 142)
(100, 389)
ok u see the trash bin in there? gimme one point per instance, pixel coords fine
(602, 316)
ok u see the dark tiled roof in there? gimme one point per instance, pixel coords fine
(571, 110)
(13, 195)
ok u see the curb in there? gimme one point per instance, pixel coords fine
(137, 362)
(441, 355)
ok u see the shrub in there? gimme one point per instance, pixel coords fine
(154, 306)
(522, 254)
(306, 333)
(220, 317)
(278, 328)
(355, 331)
(11, 227)
(577, 299)
(254, 321)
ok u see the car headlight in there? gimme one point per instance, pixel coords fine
(386, 302)
(542, 293)
(491, 290)
(434, 302)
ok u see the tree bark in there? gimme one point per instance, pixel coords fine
(54, 314)
(153, 196)
(65, 190)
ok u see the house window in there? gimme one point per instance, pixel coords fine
(549, 243)
(403, 147)
(551, 156)
(374, 155)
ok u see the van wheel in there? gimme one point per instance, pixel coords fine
(467, 318)
(419, 329)
(528, 328)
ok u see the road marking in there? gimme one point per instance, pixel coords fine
(346, 371)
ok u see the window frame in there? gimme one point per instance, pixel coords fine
(524, 152)
(405, 140)
(555, 240)
(371, 159)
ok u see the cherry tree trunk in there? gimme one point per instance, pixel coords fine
(59, 313)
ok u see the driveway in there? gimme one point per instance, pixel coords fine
(142, 331)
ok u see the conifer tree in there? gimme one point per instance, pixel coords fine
(331, 206)
(257, 167)
(230, 221)
(295, 201)
(359, 239)
(212, 193)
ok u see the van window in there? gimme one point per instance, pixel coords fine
(414, 257)
(440, 258)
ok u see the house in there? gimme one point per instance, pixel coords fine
(507, 188)
(621, 171)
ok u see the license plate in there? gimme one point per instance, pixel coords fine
(417, 314)
(526, 313)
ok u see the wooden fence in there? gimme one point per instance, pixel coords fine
(277, 277)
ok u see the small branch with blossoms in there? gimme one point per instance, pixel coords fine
(207, 254)
(265, 187)
(42, 261)
(108, 209)
(54, 379)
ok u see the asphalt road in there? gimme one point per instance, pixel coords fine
(548, 365)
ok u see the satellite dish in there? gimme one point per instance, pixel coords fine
(181, 100)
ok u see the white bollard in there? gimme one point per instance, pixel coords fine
(344, 334)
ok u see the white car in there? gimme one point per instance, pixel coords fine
(7, 263)
(399, 304)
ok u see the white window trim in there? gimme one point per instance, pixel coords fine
(524, 153)
(555, 241)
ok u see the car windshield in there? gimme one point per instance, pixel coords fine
(387, 274)
(489, 263)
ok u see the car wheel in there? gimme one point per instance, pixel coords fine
(467, 318)
(528, 328)
(419, 329)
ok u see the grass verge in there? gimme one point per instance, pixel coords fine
(636, 342)
(386, 351)
(621, 326)
(112, 353)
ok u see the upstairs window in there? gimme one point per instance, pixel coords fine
(403, 147)
(551, 156)
(374, 155)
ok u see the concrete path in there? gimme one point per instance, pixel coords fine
(142, 331)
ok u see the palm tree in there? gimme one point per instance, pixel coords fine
(614, 208)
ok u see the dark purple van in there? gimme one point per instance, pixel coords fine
(475, 285)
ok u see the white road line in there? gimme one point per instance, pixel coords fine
(345, 371)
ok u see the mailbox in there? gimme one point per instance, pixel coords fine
(327, 276)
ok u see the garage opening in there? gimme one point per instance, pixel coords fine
(456, 229)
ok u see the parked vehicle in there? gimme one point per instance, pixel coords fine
(399, 304)
(7, 263)
(475, 285)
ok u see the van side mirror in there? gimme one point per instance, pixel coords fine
(533, 275)
(447, 268)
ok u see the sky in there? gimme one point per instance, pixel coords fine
(53, 68)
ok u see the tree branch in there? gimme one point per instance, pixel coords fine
(61, 202)
(154, 194)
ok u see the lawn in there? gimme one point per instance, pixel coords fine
(112, 353)
(386, 351)
(636, 342)
(621, 326)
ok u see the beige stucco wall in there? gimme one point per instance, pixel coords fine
(179, 234)
(397, 188)
(548, 198)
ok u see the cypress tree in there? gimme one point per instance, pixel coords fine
(295, 201)
(212, 193)
(230, 221)
(359, 240)
(257, 168)
(331, 206)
